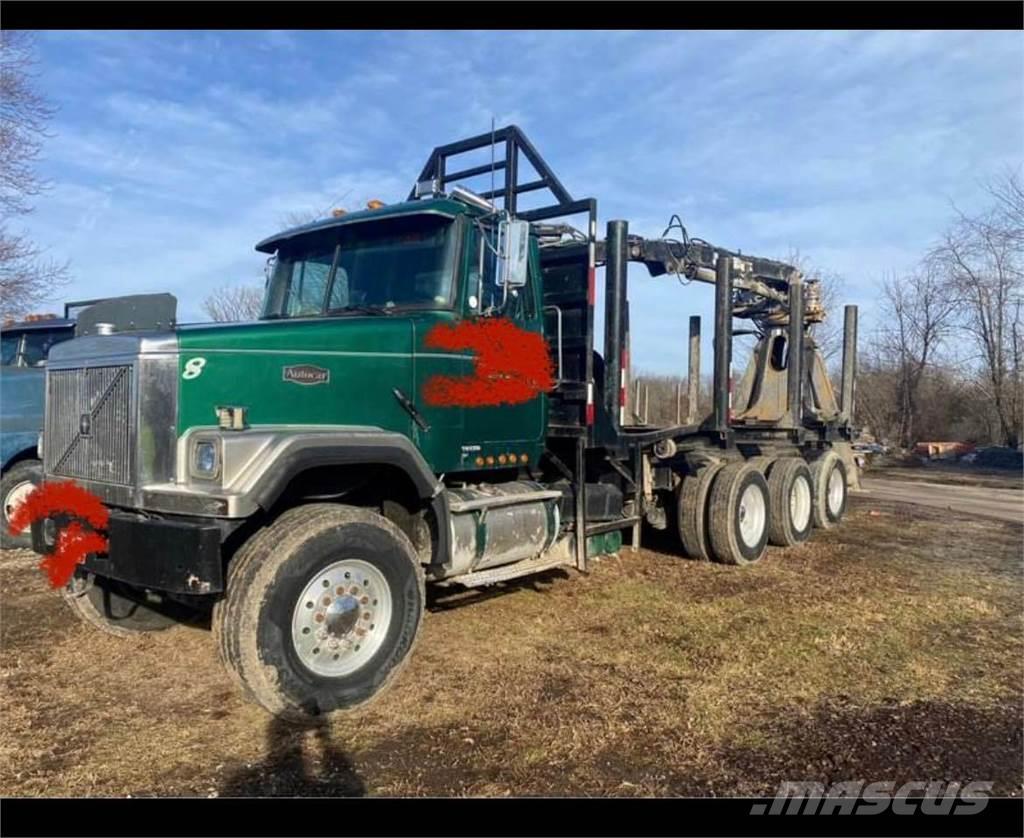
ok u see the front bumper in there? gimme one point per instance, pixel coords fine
(173, 556)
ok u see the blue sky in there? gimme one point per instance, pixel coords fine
(174, 152)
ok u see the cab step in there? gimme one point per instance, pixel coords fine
(561, 558)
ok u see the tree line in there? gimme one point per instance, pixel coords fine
(946, 357)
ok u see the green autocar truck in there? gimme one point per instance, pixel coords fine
(421, 402)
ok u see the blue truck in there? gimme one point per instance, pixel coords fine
(25, 345)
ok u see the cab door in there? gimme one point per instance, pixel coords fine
(505, 421)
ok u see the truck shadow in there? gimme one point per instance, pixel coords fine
(294, 768)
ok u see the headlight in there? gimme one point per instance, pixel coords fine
(205, 459)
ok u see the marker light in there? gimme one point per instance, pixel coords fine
(231, 418)
(374, 204)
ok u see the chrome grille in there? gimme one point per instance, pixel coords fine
(89, 424)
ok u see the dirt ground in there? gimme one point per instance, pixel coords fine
(891, 649)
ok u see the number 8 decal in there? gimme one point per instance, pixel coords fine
(193, 367)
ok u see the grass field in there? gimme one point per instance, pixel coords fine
(891, 649)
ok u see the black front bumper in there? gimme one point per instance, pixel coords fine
(175, 556)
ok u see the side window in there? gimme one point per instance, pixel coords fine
(309, 284)
(520, 303)
(481, 273)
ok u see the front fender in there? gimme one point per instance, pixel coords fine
(256, 466)
(298, 452)
(17, 446)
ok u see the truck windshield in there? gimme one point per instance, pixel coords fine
(38, 344)
(375, 266)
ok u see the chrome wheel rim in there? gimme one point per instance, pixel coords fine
(753, 515)
(835, 492)
(16, 496)
(341, 618)
(800, 503)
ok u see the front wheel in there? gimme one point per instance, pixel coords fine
(17, 484)
(322, 610)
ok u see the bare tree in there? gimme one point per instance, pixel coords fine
(1008, 191)
(920, 314)
(982, 257)
(26, 276)
(234, 302)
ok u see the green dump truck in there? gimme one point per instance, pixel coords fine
(389, 423)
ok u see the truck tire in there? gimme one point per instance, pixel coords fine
(761, 462)
(791, 498)
(692, 511)
(15, 485)
(738, 513)
(323, 608)
(109, 606)
(829, 474)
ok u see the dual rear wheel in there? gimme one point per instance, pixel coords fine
(729, 513)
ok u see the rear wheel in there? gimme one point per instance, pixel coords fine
(115, 608)
(738, 514)
(761, 462)
(17, 484)
(791, 495)
(829, 476)
(323, 608)
(692, 511)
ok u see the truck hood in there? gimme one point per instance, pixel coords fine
(339, 370)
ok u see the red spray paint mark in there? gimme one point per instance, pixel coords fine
(75, 542)
(512, 365)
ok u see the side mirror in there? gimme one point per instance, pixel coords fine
(513, 253)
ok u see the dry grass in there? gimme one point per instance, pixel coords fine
(890, 649)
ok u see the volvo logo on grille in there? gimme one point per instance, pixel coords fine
(85, 424)
(306, 374)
